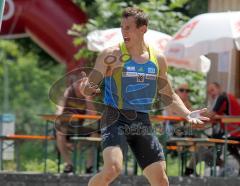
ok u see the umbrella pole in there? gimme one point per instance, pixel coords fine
(229, 74)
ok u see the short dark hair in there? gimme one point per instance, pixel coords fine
(140, 17)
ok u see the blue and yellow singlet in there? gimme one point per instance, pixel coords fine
(133, 86)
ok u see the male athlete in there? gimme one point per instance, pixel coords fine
(133, 73)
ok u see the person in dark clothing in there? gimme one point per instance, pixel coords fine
(73, 103)
(222, 103)
(226, 104)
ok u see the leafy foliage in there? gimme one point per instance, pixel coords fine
(196, 82)
(107, 14)
(28, 85)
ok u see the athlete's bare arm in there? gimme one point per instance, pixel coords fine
(177, 104)
(90, 84)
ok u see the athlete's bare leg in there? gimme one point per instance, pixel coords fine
(156, 175)
(113, 158)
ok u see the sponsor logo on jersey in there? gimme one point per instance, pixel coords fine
(129, 74)
(131, 68)
(141, 69)
(151, 76)
(151, 70)
(140, 77)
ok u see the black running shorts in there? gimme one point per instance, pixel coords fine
(121, 126)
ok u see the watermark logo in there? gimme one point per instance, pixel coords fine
(61, 95)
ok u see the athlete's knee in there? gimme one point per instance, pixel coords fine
(111, 171)
(160, 180)
(163, 177)
(114, 169)
(156, 174)
(164, 180)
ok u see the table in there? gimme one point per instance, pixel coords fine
(52, 118)
(95, 140)
(194, 143)
(228, 120)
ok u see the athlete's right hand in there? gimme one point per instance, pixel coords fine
(196, 117)
(87, 88)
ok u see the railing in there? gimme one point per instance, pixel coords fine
(193, 141)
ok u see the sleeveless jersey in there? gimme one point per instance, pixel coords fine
(132, 86)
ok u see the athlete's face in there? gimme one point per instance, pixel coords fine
(131, 34)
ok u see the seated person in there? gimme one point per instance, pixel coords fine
(74, 103)
(174, 128)
(221, 104)
(225, 104)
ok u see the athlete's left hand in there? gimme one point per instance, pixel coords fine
(195, 117)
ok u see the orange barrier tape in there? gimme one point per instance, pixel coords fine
(172, 147)
(202, 140)
(162, 118)
(30, 137)
(86, 116)
(223, 141)
(230, 119)
(52, 117)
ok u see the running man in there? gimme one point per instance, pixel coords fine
(133, 74)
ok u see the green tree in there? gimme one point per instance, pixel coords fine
(31, 73)
(28, 85)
